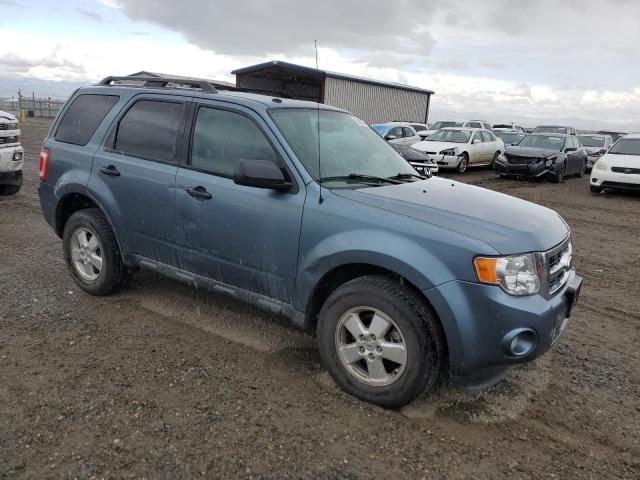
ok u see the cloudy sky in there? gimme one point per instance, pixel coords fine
(506, 60)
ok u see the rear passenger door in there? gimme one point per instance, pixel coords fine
(134, 175)
(242, 236)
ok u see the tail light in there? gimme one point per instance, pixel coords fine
(43, 164)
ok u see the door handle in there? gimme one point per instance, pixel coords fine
(199, 192)
(110, 171)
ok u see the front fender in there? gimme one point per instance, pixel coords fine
(384, 249)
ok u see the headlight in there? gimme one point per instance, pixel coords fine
(517, 274)
(449, 151)
(600, 165)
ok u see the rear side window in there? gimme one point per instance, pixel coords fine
(149, 130)
(222, 138)
(83, 116)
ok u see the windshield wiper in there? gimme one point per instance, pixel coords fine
(404, 176)
(358, 176)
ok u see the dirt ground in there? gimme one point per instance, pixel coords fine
(164, 381)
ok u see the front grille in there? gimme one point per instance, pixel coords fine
(517, 160)
(558, 263)
(633, 171)
(8, 126)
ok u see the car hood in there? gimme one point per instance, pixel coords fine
(6, 117)
(508, 224)
(624, 161)
(437, 147)
(530, 152)
(591, 150)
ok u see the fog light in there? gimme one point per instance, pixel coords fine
(17, 156)
(594, 180)
(519, 342)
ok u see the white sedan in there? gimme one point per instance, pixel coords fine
(460, 147)
(619, 168)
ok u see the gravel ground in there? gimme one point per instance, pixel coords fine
(164, 381)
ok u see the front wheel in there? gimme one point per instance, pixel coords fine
(463, 163)
(493, 161)
(380, 342)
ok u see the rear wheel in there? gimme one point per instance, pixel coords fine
(379, 342)
(463, 163)
(92, 253)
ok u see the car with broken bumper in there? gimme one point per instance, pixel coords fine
(11, 155)
(541, 156)
(405, 279)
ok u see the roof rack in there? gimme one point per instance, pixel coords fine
(162, 82)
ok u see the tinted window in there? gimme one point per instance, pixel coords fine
(408, 132)
(83, 116)
(149, 130)
(221, 138)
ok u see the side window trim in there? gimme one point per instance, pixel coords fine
(193, 116)
(112, 134)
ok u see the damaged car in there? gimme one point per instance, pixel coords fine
(596, 146)
(543, 156)
(11, 155)
(418, 160)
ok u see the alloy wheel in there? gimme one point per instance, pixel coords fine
(371, 346)
(86, 254)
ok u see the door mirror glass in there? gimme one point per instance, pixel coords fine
(261, 174)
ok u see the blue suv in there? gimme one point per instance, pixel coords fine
(304, 210)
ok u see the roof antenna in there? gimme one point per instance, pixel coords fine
(320, 198)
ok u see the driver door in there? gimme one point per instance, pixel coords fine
(476, 148)
(243, 236)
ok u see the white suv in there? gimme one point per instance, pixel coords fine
(11, 155)
(619, 168)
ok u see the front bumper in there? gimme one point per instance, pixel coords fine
(477, 319)
(609, 179)
(444, 161)
(526, 170)
(11, 178)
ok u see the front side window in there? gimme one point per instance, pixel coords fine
(82, 118)
(477, 137)
(487, 137)
(222, 138)
(149, 130)
(408, 132)
(347, 145)
(452, 136)
(395, 132)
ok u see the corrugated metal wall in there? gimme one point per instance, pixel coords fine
(375, 103)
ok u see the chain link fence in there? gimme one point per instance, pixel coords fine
(32, 106)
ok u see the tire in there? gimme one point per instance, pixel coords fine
(463, 163)
(100, 242)
(595, 189)
(413, 326)
(10, 189)
(493, 161)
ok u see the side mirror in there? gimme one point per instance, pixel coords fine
(261, 174)
(390, 137)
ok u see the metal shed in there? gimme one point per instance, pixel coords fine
(372, 100)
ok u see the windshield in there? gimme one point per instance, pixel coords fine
(451, 136)
(510, 138)
(347, 145)
(549, 130)
(626, 146)
(381, 129)
(439, 125)
(547, 142)
(589, 141)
